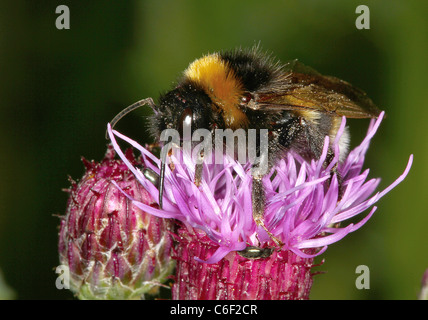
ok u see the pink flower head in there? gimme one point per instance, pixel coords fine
(304, 207)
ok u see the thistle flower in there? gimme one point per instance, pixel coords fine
(113, 249)
(304, 211)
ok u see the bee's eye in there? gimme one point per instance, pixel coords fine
(185, 119)
(246, 98)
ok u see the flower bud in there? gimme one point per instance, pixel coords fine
(113, 249)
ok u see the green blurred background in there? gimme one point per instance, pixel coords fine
(59, 88)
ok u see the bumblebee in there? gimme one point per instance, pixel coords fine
(247, 89)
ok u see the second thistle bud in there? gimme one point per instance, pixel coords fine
(113, 249)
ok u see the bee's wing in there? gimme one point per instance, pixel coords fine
(301, 87)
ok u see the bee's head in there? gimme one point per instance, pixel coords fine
(187, 105)
(185, 109)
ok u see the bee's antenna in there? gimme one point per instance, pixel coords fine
(130, 108)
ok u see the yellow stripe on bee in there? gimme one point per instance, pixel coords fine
(310, 115)
(221, 84)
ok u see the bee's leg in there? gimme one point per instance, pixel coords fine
(162, 176)
(334, 171)
(315, 141)
(339, 177)
(258, 197)
(198, 168)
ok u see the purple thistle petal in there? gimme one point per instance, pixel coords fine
(399, 179)
(326, 240)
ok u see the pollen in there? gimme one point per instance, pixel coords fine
(221, 84)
